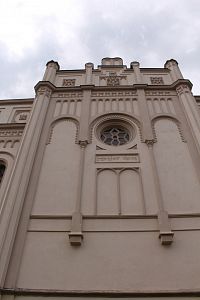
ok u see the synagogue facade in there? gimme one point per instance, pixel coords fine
(100, 185)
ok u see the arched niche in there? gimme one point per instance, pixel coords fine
(131, 192)
(58, 179)
(177, 176)
(107, 192)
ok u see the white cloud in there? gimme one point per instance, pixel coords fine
(76, 31)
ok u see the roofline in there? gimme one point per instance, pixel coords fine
(163, 70)
(11, 101)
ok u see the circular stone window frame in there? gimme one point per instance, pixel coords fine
(120, 123)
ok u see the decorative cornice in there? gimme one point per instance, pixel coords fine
(44, 84)
(172, 86)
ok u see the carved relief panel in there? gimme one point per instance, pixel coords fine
(112, 79)
(21, 116)
(156, 80)
(69, 82)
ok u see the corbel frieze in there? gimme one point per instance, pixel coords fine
(10, 135)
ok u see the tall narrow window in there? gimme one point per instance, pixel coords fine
(2, 170)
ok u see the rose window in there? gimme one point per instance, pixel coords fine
(115, 136)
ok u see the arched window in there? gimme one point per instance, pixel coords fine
(2, 170)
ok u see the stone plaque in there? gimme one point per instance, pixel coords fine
(120, 158)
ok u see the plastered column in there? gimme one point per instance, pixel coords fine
(75, 235)
(50, 74)
(191, 111)
(88, 73)
(16, 190)
(175, 72)
(165, 235)
(147, 133)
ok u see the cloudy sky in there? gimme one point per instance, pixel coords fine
(74, 32)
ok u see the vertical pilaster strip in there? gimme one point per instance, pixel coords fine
(15, 261)
(119, 192)
(75, 235)
(165, 235)
(85, 115)
(142, 191)
(175, 72)
(147, 132)
(136, 68)
(190, 110)
(191, 141)
(88, 73)
(15, 194)
(50, 74)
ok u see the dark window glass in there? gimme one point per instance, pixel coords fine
(2, 171)
(115, 136)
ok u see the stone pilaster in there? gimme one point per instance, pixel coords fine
(165, 235)
(75, 235)
(51, 68)
(175, 72)
(136, 68)
(88, 73)
(147, 133)
(191, 111)
(16, 190)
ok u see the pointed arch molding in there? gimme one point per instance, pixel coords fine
(171, 118)
(61, 119)
(132, 120)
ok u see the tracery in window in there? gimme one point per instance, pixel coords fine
(115, 135)
(2, 171)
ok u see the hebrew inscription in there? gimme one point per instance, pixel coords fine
(133, 158)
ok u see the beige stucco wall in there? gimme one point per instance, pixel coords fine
(120, 199)
(122, 261)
